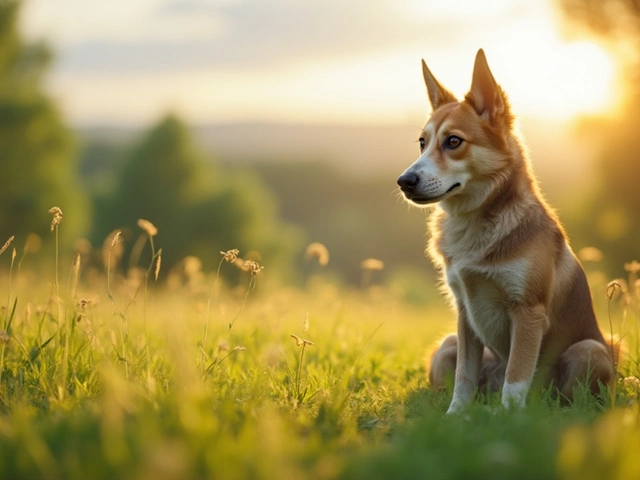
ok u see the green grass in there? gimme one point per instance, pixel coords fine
(130, 386)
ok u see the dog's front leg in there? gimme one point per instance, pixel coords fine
(527, 329)
(468, 364)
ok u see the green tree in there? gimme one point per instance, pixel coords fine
(198, 208)
(610, 216)
(36, 149)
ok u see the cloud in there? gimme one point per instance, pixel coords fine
(257, 34)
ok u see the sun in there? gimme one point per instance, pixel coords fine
(559, 80)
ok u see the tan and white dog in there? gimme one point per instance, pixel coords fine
(521, 296)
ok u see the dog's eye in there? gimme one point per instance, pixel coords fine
(421, 144)
(452, 142)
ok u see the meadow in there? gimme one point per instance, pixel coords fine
(106, 373)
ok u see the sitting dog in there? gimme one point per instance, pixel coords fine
(521, 296)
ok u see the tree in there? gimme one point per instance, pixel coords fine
(198, 208)
(36, 149)
(611, 216)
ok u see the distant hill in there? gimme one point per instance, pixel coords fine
(369, 150)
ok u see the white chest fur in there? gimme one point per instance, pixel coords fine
(485, 293)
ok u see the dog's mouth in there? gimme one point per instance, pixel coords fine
(427, 200)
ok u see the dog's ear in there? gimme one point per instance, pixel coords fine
(438, 95)
(486, 97)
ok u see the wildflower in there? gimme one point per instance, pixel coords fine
(230, 255)
(57, 217)
(301, 341)
(6, 244)
(252, 267)
(372, 264)
(318, 251)
(148, 227)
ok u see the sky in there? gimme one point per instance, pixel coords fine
(308, 61)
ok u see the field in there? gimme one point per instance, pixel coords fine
(107, 375)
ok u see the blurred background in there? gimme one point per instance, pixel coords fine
(267, 125)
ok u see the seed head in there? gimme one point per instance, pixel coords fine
(57, 217)
(301, 341)
(372, 264)
(612, 287)
(6, 244)
(82, 304)
(158, 263)
(252, 267)
(115, 239)
(148, 227)
(230, 255)
(319, 251)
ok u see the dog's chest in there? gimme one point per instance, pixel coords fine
(485, 293)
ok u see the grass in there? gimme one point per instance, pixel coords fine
(259, 381)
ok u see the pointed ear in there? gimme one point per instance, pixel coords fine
(486, 96)
(438, 95)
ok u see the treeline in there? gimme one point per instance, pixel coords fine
(202, 205)
(291, 203)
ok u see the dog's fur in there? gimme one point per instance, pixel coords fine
(521, 296)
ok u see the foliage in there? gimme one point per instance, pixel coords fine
(609, 214)
(37, 168)
(198, 209)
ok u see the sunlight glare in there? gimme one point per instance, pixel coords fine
(560, 80)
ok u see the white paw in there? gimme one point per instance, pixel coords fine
(515, 394)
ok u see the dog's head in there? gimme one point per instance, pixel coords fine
(464, 144)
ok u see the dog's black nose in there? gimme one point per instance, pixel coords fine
(408, 181)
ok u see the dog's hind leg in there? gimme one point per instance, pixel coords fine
(442, 365)
(587, 362)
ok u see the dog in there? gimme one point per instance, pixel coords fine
(521, 296)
